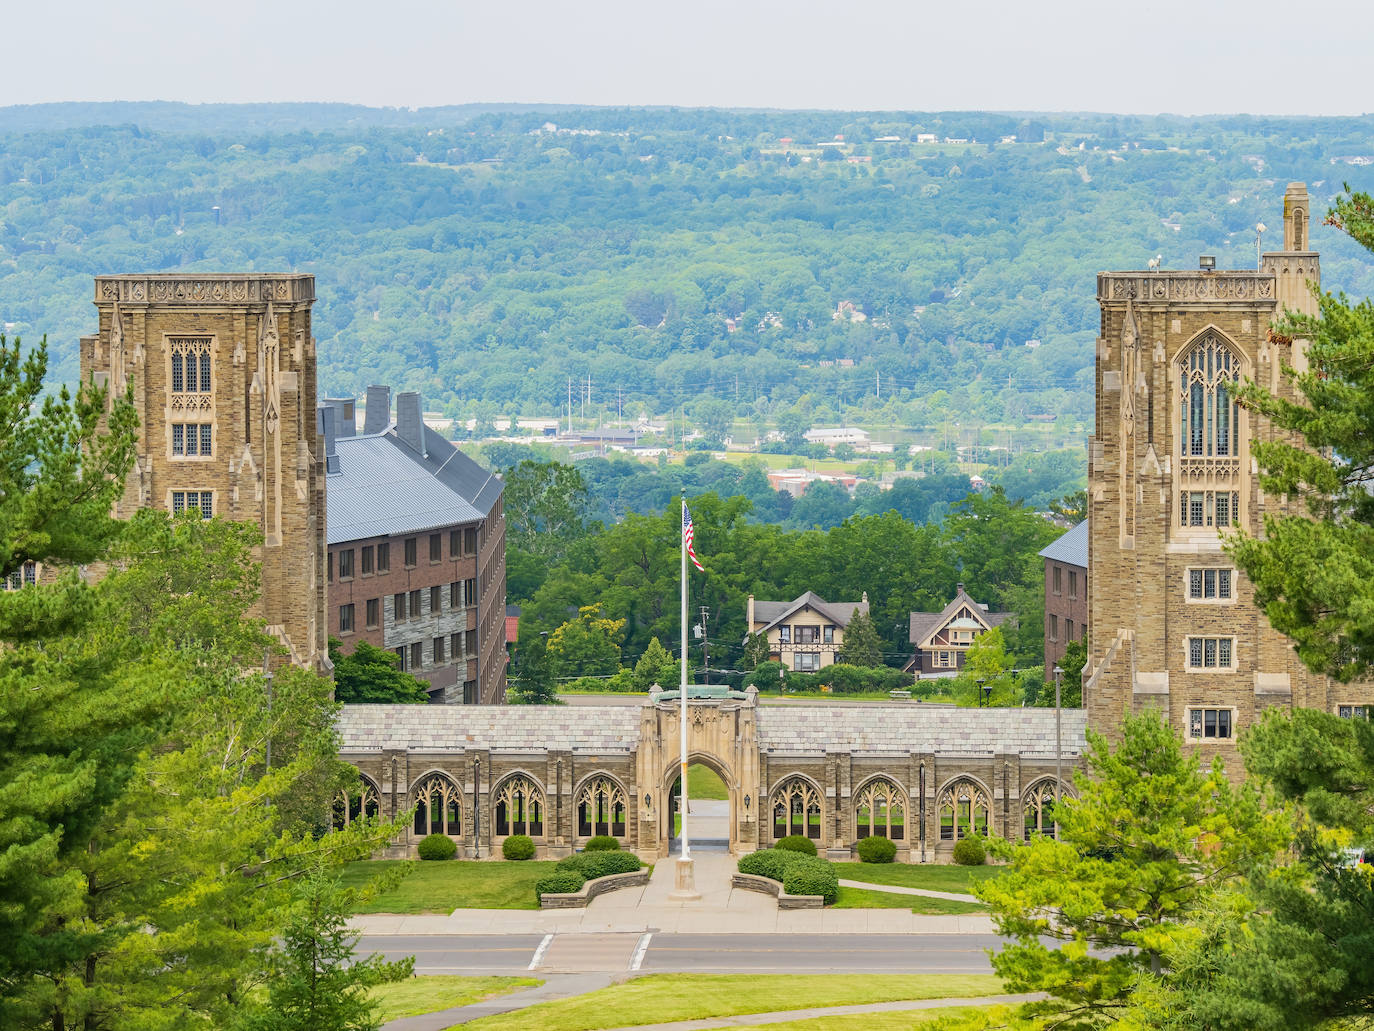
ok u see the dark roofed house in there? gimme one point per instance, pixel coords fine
(806, 634)
(417, 547)
(942, 638)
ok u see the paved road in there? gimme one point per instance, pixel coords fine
(699, 953)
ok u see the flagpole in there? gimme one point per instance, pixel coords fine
(682, 694)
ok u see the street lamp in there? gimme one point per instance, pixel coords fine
(983, 692)
(1058, 750)
(476, 812)
(1260, 227)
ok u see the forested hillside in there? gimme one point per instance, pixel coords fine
(491, 255)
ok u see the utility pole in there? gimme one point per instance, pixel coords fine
(570, 406)
(878, 386)
(705, 646)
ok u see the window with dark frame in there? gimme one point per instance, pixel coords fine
(410, 552)
(374, 612)
(438, 651)
(455, 543)
(384, 557)
(436, 603)
(415, 610)
(1206, 723)
(398, 607)
(346, 618)
(366, 559)
(417, 658)
(436, 547)
(1210, 652)
(346, 564)
(455, 595)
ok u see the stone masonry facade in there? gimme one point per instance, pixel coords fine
(222, 370)
(1174, 624)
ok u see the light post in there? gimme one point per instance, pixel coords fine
(1058, 751)
(1259, 257)
(982, 692)
(476, 810)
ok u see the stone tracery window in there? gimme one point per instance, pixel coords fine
(964, 810)
(519, 808)
(1037, 807)
(192, 389)
(361, 801)
(880, 811)
(438, 806)
(601, 808)
(1210, 425)
(796, 808)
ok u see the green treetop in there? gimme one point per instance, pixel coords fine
(862, 646)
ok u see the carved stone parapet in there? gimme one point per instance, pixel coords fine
(209, 290)
(1212, 470)
(1245, 287)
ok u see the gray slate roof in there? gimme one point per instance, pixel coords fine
(384, 488)
(503, 728)
(838, 612)
(1071, 548)
(791, 729)
(914, 727)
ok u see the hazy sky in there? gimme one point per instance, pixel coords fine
(1181, 56)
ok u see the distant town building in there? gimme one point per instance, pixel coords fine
(942, 639)
(805, 634)
(1066, 594)
(222, 369)
(417, 548)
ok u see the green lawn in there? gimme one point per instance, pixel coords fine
(438, 887)
(416, 995)
(865, 898)
(911, 1020)
(703, 783)
(659, 998)
(931, 876)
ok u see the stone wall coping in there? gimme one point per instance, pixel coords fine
(593, 888)
(768, 886)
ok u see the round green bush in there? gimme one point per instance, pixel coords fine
(970, 852)
(518, 846)
(768, 862)
(602, 843)
(558, 883)
(811, 875)
(437, 846)
(876, 850)
(592, 865)
(797, 843)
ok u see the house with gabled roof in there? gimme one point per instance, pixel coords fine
(805, 634)
(942, 639)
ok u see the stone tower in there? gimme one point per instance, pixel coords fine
(223, 375)
(1173, 623)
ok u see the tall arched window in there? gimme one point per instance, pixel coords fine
(1038, 810)
(964, 809)
(363, 800)
(438, 806)
(880, 811)
(519, 808)
(1210, 427)
(796, 809)
(601, 808)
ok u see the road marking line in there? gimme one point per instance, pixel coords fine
(539, 952)
(640, 949)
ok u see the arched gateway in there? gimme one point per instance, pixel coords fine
(833, 773)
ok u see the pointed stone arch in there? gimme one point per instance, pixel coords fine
(601, 805)
(796, 806)
(518, 806)
(361, 801)
(963, 808)
(438, 802)
(882, 808)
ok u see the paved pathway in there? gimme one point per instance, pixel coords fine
(555, 986)
(897, 889)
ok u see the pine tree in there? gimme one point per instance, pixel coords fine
(862, 646)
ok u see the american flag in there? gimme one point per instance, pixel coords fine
(688, 533)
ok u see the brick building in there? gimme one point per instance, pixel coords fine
(1066, 593)
(417, 545)
(1173, 623)
(222, 369)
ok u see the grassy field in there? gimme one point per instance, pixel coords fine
(912, 1020)
(416, 995)
(866, 898)
(931, 876)
(438, 887)
(661, 998)
(703, 783)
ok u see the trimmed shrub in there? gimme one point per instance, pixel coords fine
(518, 846)
(811, 875)
(797, 843)
(437, 846)
(602, 843)
(768, 862)
(592, 865)
(970, 852)
(876, 850)
(558, 883)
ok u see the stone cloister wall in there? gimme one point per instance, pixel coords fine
(995, 758)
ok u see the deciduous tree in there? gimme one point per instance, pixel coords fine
(373, 675)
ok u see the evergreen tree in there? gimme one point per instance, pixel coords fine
(1314, 572)
(655, 666)
(862, 646)
(534, 682)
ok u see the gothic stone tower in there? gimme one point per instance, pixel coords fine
(223, 376)
(1173, 622)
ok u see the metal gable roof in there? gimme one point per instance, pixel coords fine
(383, 488)
(1070, 548)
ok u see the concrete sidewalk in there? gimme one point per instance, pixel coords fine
(896, 889)
(723, 909)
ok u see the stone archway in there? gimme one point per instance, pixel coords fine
(722, 735)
